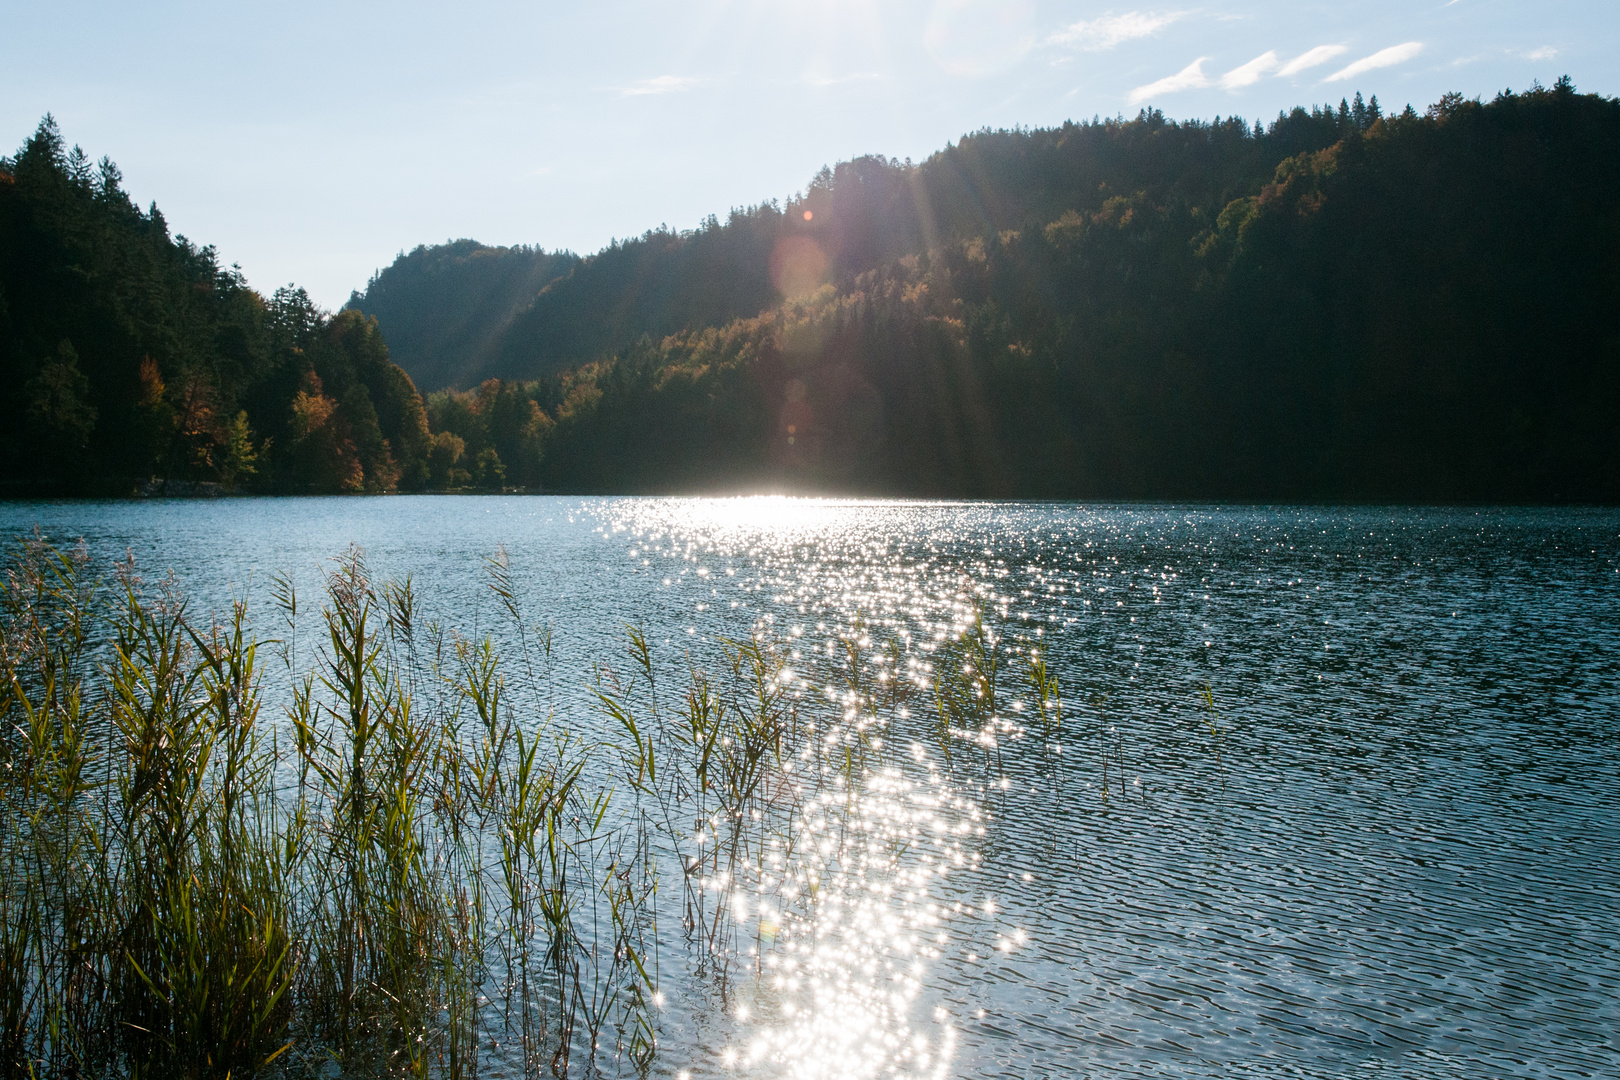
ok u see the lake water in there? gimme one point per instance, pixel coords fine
(1392, 849)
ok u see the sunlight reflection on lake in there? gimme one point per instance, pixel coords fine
(1385, 844)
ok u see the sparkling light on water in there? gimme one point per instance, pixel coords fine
(1385, 844)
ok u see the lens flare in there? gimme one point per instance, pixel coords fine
(798, 266)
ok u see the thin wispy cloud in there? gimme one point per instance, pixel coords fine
(1383, 58)
(1546, 52)
(1191, 77)
(663, 84)
(1107, 31)
(1315, 57)
(1252, 72)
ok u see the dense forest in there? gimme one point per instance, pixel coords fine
(449, 307)
(861, 216)
(137, 362)
(1341, 305)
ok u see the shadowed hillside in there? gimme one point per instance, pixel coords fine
(1340, 305)
(133, 360)
(447, 312)
(449, 307)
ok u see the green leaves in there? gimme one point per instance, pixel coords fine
(180, 897)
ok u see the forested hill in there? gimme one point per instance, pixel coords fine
(448, 307)
(1339, 305)
(133, 360)
(456, 299)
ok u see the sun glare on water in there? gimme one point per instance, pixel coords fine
(756, 513)
(837, 882)
(838, 985)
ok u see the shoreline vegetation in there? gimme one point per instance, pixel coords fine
(384, 869)
(380, 844)
(1342, 305)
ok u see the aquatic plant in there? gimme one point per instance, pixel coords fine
(745, 772)
(966, 681)
(393, 855)
(418, 873)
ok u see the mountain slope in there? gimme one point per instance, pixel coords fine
(1341, 306)
(447, 307)
(131, 356)
(450, 317)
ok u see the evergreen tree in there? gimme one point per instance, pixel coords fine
(135, 355)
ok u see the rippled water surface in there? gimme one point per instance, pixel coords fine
(1362, 768)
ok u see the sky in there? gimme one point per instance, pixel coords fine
(311, 142)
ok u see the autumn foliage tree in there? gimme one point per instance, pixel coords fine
(136, 357)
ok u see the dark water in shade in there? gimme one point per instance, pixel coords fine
(1401, 857)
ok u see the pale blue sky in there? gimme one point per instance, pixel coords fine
(312, 141)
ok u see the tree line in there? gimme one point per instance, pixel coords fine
(860, 215)
(1341, 304)
(131, 356)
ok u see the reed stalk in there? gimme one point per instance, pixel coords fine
(416, 874)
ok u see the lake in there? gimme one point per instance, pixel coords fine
(1362, 802)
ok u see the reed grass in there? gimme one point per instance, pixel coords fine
(966, 690)
(398, 871)
(401, 861)
(971, 698)
(739, 771)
